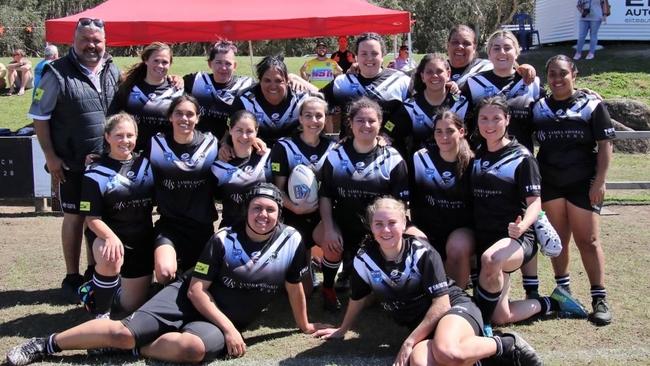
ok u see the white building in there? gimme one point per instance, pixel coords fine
(557, 21)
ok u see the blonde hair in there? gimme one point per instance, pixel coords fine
(116, 119)
(385, 202)
(502, 34)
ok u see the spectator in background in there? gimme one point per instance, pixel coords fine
(320, 70)
(344, 57)
(3, 76)
(592, 14)
(19, 75)
(402, 62)
(51, 53)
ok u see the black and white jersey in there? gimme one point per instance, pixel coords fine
(353, 180)
(414, 122)
(290, 152)
(275, 121)
(501, 182)
(520, 98)
(182, 177)
(406, 287)
(246, 275)
(234, 179)
(121, 193)
(389, 88)
(461, 74)
(567, 132)
(148, 104)
(215, 99)
(440, 200)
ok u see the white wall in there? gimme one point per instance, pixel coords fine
(557, 21)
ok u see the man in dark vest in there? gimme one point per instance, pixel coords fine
(69, 109)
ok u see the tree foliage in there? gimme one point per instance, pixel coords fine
(22, 24)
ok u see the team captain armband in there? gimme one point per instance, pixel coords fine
(275, 167)
(201, 268)
(84, 206)
(389, 126)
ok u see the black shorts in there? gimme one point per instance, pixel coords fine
(463, 306)
(305, 224)
(577, 194)
(485, 239)
(171, 311)
(138, 253)
(187, 239)
(70, 192)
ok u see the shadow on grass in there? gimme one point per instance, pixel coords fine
(42, 324)
(12, 298)
(19, 215)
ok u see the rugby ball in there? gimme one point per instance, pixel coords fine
(302, 185)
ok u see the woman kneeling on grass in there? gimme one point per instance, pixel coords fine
(407, 276)
(200, 316)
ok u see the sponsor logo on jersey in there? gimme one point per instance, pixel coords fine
(447, 177)
(201, 268)
(433, 288)
(560, 112)
(609, 132)
(259, 116)
(84, 206)
(429, 172)
(236, 253)
(533, 188)
(489, 91)
(389, 126)
(376, 276)
(275, 167)
(360, 166)
(231, 171)
(275, 117)
(255, 256)
(248, 169)
(297, 158)
(168, 156)
(185, 157)
(130, 174)
(419, 119)
(395, 274)
(38, 94)
(313, 159)
(485, 164)
(344, 163)
(541, 135)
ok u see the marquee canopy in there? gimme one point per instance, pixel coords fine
(136, 22)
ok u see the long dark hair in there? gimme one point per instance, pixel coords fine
(138, 72)
(496, 101)
(418, 85)
(272, 62)
(465, 154)
(359, 104)
(180, 99)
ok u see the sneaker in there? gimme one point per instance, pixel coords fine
(577, 56)
(549, 241)
(330, 301)
(86, 293)
(601, 315)
(487, 330)
(33, 350)
(569, 306)
(590, 56)
(69, 287)
(522, 353)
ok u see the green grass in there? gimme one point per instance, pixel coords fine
(31, 265)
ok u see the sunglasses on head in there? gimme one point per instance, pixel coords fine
(84, 22)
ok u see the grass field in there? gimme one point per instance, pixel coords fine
(31, 267)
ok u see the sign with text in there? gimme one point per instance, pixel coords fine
(630, 12)
(16, 174)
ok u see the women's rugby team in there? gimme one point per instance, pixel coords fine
(431, 189)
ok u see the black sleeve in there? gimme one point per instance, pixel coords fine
(327, 187)
(279, 162)
(601, 124)
(299, 264)
(328, 93)
(91, 202)
(399, 182)
(434, 278)
(188, 82)
(528, 178)
(358, 287)
(210, 261)
(399, 125)
(237, 105)
(119, 101)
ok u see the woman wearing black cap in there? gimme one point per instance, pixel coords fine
(201, 315)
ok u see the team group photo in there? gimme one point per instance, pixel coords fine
(368, 203)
